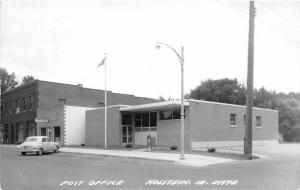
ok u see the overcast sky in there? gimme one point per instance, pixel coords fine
(64, 40)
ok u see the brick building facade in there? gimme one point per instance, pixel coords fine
(38, 108)
(206, 124)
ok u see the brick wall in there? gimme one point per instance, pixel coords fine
(168, 132)
(21, 118)
(95, 127)
(211, 122)
(50, 93)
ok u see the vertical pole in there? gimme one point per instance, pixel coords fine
(182, 106)
(105, 102)
(249, 95)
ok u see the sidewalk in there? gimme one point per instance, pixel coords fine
(190, 159)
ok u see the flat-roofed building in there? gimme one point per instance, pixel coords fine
(49, 108)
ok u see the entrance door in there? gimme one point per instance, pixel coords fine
(56, 134)
(126, 134)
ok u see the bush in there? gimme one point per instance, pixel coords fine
(128, 145)
(174, 147)
(211, 149)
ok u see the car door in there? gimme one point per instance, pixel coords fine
(45, 144)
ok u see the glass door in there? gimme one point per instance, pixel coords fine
(126, 128)
(126, 134)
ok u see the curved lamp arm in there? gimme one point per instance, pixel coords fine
(167, 45)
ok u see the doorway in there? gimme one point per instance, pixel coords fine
(126, 134)
(56, 134)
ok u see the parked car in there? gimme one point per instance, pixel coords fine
(38, 144)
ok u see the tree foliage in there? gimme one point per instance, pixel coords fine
(230, 91)
(27, 79)
(7, 80)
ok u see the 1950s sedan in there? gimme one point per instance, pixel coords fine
(38, 145)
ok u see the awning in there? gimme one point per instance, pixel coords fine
(154, 106)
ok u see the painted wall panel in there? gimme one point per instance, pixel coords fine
(75, 125)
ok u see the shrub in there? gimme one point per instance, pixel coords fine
(211, 149)
(128, 145)
(174, 147)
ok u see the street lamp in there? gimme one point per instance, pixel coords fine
(181, 60)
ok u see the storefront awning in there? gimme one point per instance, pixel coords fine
(154, 106)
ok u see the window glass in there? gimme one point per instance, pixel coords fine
(153, 118)
(176, 114)
(165, 115)
(138, 120)
(258, 121)
(126, 119)
(232, 119)
(145, 119)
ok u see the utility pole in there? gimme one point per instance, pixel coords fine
(249, 96)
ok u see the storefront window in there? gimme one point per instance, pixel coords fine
(126, 119)
(145, 121)
(169, 115)
(165, 115)
(153, 119)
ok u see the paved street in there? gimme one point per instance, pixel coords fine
(279, 170)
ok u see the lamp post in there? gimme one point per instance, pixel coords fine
(181, 60)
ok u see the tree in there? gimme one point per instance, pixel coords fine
(7, 80)
(264, 98)
(27, 79)
(230, 91)
(223, 90)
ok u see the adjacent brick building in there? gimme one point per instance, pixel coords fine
(206, 124)
(38, 108)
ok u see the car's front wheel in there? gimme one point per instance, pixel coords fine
(23, 153)
(40, 151)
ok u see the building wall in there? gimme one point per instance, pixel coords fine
(210, 122)
(168, 132)
(19, 117)
(56, 118)
(95, 127)
(51, 94)
(75, 131)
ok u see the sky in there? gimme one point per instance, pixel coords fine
(64, 41)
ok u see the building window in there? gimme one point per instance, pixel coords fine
(169, 115)
(138, 119)
(258, 121)
(62, 101)
(101, 104)
(6, 109)
(233, 120)
(11, 110)
(126, 119)
(146, 121)
(30, 104)
(23, 104)
(165, 115)
(17, 106)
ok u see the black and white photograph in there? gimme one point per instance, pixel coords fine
(149, 94)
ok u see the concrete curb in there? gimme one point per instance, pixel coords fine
(120, 156)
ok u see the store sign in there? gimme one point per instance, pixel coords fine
(41, 120)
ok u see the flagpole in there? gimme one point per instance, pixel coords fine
(105, 102)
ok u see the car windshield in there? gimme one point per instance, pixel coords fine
(31, 139)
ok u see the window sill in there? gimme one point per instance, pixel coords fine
(259, 127)
(233, 126)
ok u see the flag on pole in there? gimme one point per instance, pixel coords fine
(102, 62)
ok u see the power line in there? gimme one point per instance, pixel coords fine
(290, 21)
